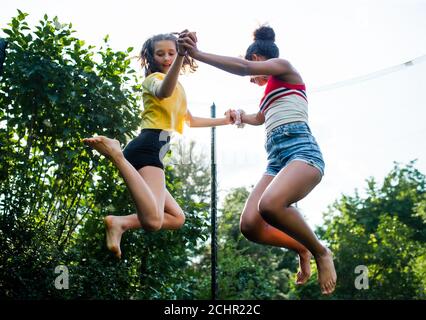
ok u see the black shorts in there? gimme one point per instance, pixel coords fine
(148, 149)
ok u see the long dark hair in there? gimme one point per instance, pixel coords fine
(147, 55)
(264, 44)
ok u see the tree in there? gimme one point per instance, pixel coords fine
(384, 232)
(53, 93)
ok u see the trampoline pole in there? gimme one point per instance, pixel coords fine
(213, 208)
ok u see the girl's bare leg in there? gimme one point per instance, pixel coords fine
(255, 229)
(148, 191)
(149, 200)
(291, 184)
(115, 226)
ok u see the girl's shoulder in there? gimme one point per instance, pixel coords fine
(155, 75)
(152, 78)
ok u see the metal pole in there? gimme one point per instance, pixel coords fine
(213, 208)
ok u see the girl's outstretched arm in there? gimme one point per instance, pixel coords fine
(197, 122)
(169, 83)
(255, 119)
(233, 65)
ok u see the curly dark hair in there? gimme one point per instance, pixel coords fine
(147, 55)
(264, 43)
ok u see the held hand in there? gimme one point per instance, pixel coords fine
(188, 40)
(180, 48)
(187, 33)
(229, 116)
(239, 118)
(234, 115)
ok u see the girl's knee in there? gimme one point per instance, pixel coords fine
(180, 219)
(269, 206)
(248, 229)
(151, 224)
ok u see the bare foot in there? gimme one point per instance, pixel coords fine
(326, 273)
(110, 148)
(304, 267)
(113, 234)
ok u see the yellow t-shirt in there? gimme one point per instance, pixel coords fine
(168, 113)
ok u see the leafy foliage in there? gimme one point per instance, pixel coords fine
(384, 232)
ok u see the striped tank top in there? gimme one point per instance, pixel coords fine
(283, 103)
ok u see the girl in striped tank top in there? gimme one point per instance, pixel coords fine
(295, 163)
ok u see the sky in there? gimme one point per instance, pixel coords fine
(362, 128)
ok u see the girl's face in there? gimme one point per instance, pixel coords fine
(164, 54)
(259, 80)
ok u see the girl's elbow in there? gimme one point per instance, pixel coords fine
(260, 120)
(244, 71)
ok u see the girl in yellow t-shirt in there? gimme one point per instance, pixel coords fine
(140, 163)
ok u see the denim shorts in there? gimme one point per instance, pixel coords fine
(292, 141)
